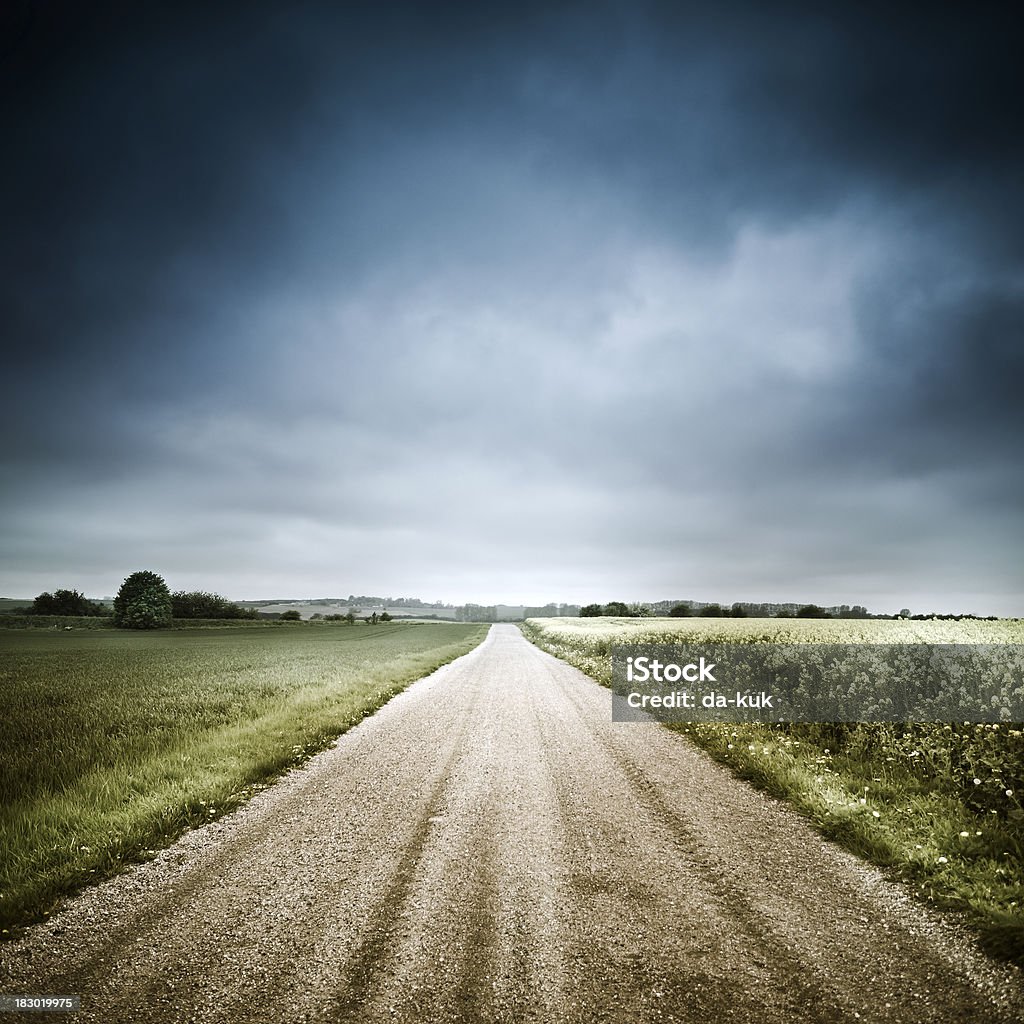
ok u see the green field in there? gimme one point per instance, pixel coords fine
(114, 742)
(940, 804)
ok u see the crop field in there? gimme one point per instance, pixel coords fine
(114, 742)
(940, 804)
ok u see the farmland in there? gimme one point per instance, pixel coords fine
(938, 803)
(115, 742)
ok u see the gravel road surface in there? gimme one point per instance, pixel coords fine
(491, 847)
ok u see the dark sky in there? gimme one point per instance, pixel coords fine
(516, 302)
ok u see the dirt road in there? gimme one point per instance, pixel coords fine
(491, 847)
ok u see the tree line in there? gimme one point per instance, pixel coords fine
(143, 602)
(738, 610)
(642, 611)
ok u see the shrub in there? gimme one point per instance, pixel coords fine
(812, 611)
(292, 615)
(197, 604)
(619, 608)
(65, 602)
(143, 602)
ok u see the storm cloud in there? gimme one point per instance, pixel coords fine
(521, 302)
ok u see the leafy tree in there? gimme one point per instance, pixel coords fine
(65, 602)
(680, 611)
(738, 611)
(385, 617)
(591, 611)
(292, 615)
(812, 611)
(619, 608)
(350, 618)
(143, 602)
(712, 611)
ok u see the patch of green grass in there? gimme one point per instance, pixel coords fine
(115, 742)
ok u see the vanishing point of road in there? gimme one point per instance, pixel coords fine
(490, 846)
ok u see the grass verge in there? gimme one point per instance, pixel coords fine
(116, 742)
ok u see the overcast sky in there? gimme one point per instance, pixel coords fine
(516, 302)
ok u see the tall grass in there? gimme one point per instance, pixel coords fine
(113, 742)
